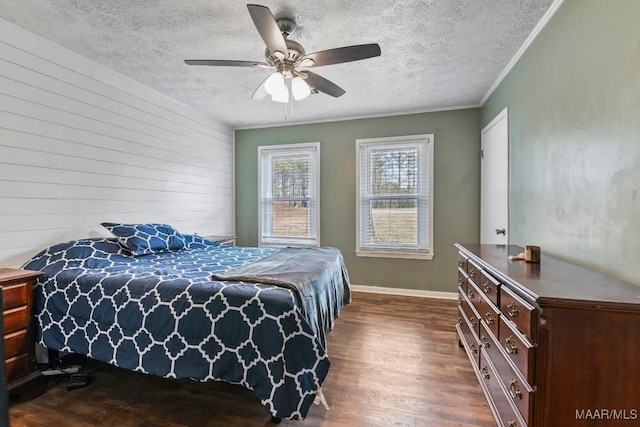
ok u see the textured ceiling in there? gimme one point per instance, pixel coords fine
(436, 54)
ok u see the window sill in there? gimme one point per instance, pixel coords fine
(396, 254)
(286, 245)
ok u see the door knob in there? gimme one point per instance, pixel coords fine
(501, 231)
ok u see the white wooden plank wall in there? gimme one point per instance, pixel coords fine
(81, 144)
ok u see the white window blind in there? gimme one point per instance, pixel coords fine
(395, 197)
(289, 188)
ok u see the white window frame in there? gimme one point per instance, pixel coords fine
(265, 154)
(424, 248)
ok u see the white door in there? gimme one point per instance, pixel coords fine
(494, 191)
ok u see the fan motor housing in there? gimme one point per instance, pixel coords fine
(294, 53)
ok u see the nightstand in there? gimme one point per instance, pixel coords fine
(222, 240)
(23, 377)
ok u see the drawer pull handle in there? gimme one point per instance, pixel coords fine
(474, 349)
(485, 372)
(484, 342)
(460, 282)
(472, 272)
(486, 287)
(511, 346)
(512, 424)
(489, 318)
(471, 295)
(459, 300)
(460, 263)
(473, 321)
(514, 389)
(460, 321)
(512, 309)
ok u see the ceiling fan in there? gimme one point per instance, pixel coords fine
(285, 55)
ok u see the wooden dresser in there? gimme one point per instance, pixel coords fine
(23, 377)
(552, 344)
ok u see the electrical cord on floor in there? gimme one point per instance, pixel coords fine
(61, 372)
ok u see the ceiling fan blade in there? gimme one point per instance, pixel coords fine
(321, 84)
(268, 28)
(342, 54)
(225, 63)
(260, 92)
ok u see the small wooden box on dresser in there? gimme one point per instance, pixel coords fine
(553, 344)
(23, 377)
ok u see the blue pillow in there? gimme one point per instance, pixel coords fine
(142, 239)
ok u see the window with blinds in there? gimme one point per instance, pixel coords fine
(395, 203)
(289, 187)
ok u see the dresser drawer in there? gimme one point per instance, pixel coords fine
(521, 313)
(490, 287)
(473, 270)
(517, 389)
(471, 291)
(518, 349)
(487, 339)
(16, 319)
(491, 317)
(15, 295)
(462, 281)
(462, 262)
(468, 338)
(485, 309)
(472, 316)
(16, 343)
(508, 415)
(17, 367)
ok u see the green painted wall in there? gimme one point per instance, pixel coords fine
(457, 175)
(574, 116)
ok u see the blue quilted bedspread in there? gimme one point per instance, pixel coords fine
(163, 314)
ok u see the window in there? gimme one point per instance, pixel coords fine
(289, 205)
(395, 203)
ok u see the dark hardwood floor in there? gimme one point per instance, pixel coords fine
(395, 362)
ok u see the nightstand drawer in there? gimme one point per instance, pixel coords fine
(16, 319)
(15, 295)
(17, 367)
(16, 344)
(23, 378)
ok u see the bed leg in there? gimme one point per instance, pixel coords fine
(52, 355)
(276, 420)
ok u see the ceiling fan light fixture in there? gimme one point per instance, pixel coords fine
(281, 97)
(299, 88)
(275, 84)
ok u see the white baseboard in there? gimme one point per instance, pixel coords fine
(405, 292)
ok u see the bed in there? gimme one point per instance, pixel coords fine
(189, 308)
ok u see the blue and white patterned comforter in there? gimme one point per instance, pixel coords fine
(162, 314)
